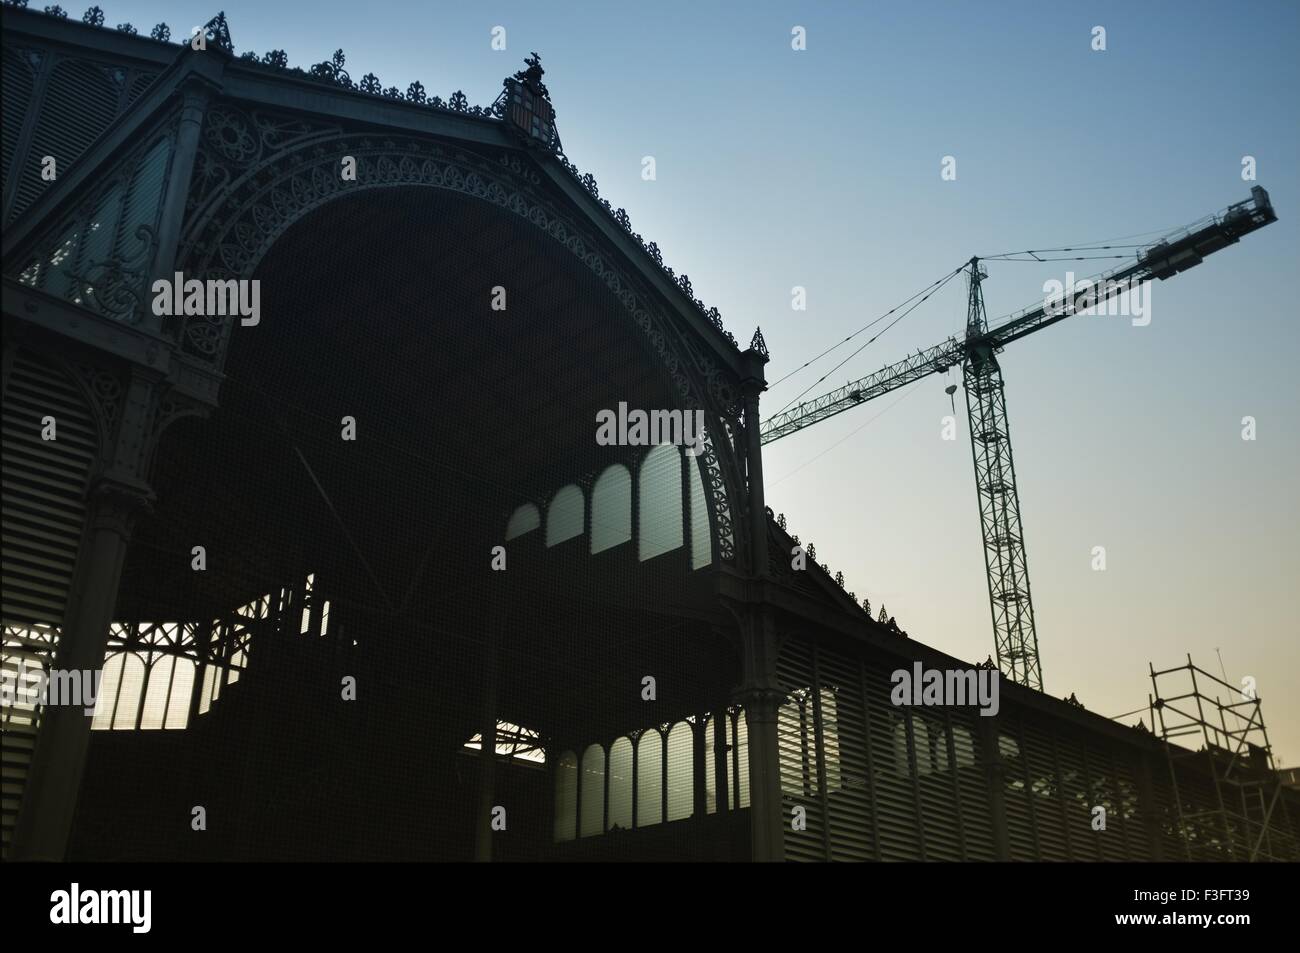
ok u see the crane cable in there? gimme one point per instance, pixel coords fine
(1034, 257)
(1098, 244)
(925, 292)
(814, 360)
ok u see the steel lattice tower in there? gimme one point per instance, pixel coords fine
(999, 500)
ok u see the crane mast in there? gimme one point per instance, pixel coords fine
(995, 475)
(1005, 562)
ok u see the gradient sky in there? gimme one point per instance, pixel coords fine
(821, 168)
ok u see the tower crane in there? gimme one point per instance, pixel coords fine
(976, 354)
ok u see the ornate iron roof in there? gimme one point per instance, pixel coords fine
(333, 71)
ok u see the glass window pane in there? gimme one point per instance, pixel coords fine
(620, 785)
(108, 685)
(701, 534)
(742, 760)
(681, 772)
(566, 797)
(178, 710)
(523, 520)
(649, 779)
(611, 509)
(155, 701)
(128, 700)
(593, 791)
(565, 517)
(710, 768)
(660, 508)
(205, 696)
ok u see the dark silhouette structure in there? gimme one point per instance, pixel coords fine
(361, 583)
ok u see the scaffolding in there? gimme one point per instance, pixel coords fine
(1226, 792)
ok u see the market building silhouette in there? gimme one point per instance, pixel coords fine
(362, 581)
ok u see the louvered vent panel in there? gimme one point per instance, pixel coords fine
(26, 647)
(79, 102)
(848, 777)
(936, 781)
(44, 486)
(1137, 838)
(44, 489)
(1209, 832)
(138, 85)
(1044, 786)
(900, 833)
(1135, 831)
(972, 787)
(1084, 787)
(797, 744)
(1172, 842)
(1016, 797)
(17, 93)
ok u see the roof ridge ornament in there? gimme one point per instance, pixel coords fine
(525, 104)
(533, 75)
(757, 343)
(218, 32)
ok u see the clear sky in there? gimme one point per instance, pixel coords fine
(821, 168)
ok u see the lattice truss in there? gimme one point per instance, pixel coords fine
(160, 675)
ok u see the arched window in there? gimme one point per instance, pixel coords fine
(649, 778)
(153, 691)
(565, 517)
(593, 791)
(611, 509)
(660, 510)
(620, 785)
(681, 772)
(566, 797)
(701, 532)
(523, 520)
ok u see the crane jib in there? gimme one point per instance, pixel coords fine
(1165, 258)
